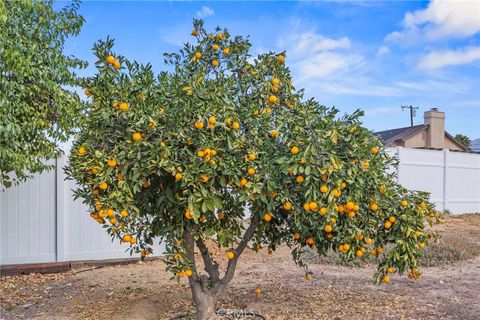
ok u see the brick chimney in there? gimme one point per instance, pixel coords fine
(436, 131)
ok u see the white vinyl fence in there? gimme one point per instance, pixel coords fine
(451, 178)
(40, 222)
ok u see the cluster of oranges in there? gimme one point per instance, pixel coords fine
(113, 62)
(208, 155)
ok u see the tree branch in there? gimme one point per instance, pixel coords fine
(232, 264)
(211, 267)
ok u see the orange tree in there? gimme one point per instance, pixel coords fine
(182, 155)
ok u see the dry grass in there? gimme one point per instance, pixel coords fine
(449, 249)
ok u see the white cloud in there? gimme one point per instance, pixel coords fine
(314, 56)
(441, 59)
(205, 12)
(441, 19)
(309, 42)
(322, 64)
(383, 51)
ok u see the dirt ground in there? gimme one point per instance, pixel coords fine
(145, 291)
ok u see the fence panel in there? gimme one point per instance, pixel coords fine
(451, 178)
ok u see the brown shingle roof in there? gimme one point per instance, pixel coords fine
(389, 136)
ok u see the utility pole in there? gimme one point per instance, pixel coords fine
(413, 112)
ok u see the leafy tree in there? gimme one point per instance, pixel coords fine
(36, 109)
(463, 139)
(181, 155)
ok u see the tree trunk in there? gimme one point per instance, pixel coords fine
(204, 302)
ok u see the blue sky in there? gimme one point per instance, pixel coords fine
(371, 55)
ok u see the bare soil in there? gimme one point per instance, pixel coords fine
(145, 290)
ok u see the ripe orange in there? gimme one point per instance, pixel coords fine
(274, 89)
(392, 219)
(323, 211)
(333, 220)
(230, 255)
(336, 193)
(350, 205)
(373, 150)
(310, 240)
(215, 47)
(373, 206)
(96, 192)
(198, 55)
(178, 176)
(116, 64)
(346, 247)
(212, 120)
(281, 59)
(323, 189)
(219, 36)
(287, 206)
(112, 163)
(358, 253)
(267, 217)
(274, 133)
(82, 150)
(204, 179)
(296, 235)
(258, 291)
(243, 182)
(343, 185)
(195, 33)
(113, 220)
(199, 124)
(272, 100)
(421, 245)
(328, 228)
(368, 241)
(300, 179)
(201, 154)
(226, 51)
(146, 185)
(110, 212)
(136, 136)
(188, 214)
(124, 213)
(275, 81)
(87, 92)
(215, 63)
(251, 171)
(302, 162)
(188, 273)
(133, 240)
(404, 203)
(379, 250)
(103, 185)
(386, 279)
(123, 106)
(294, 150)
(313, 206)
(203, 218)
(373, 252)
(387, 225)
(390, 270)
(221, 216)
(126, 238)
(308, 277)
(181, 274)
(236, 125)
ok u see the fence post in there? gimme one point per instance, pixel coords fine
(399, 157)
(60, 209)
(446, 157)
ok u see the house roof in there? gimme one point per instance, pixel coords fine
(475, 145)
(389, 136)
